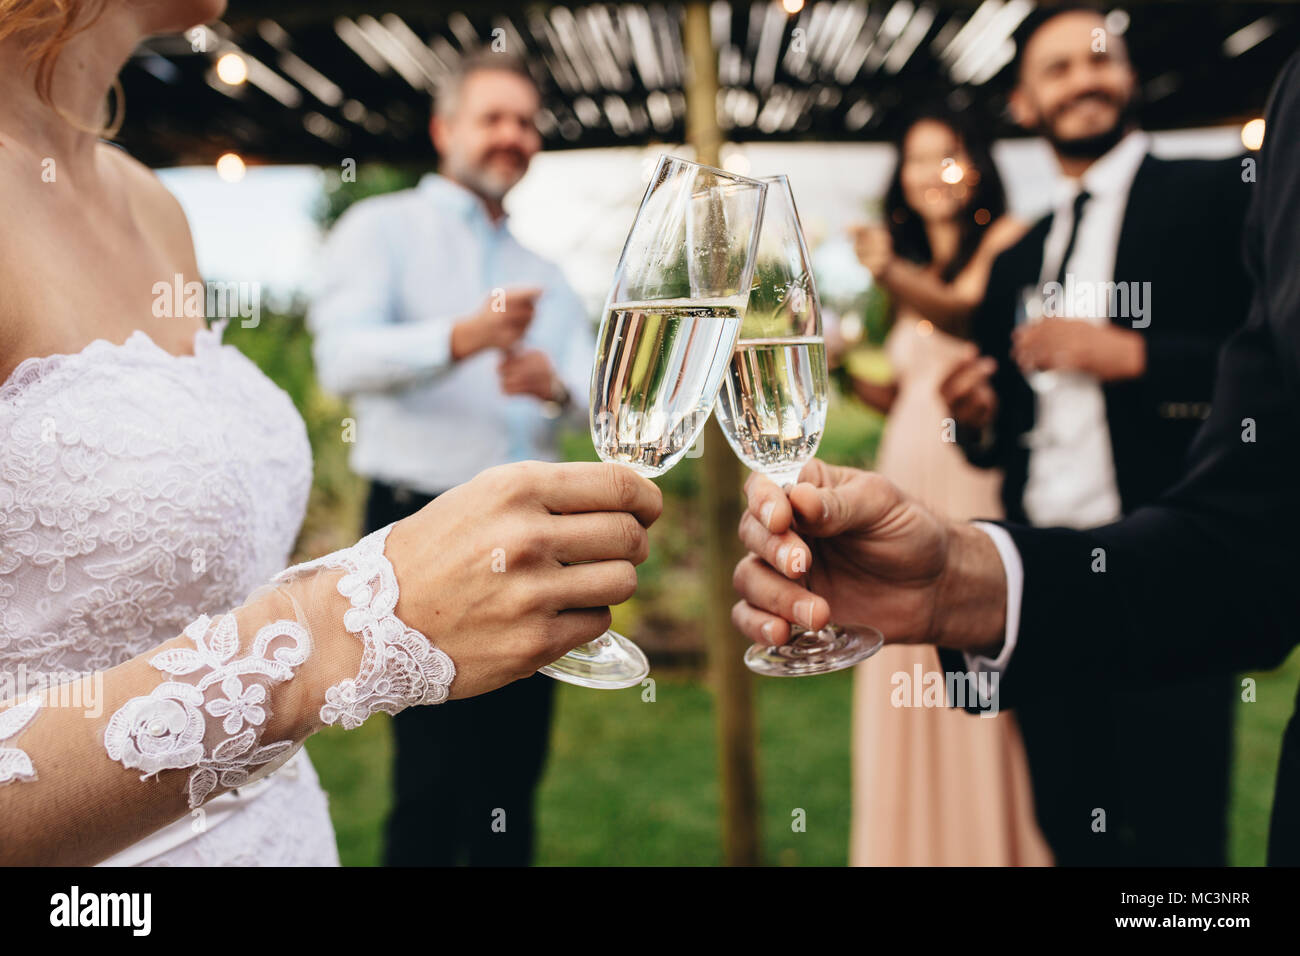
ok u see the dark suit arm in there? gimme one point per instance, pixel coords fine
(1201, 582)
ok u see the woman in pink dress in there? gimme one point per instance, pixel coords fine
(933, 785)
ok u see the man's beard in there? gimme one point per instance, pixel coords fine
(487, 184)
(1099, 144)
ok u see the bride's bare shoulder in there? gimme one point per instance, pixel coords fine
(160, 211)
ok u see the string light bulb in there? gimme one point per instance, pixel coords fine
(230, 167)
(1252, 134)
(232, 69)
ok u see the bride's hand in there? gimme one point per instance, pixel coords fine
(503, 574)
(513, 569)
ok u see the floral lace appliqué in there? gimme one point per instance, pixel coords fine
(14, 763)
(400, 668)
(224, 699)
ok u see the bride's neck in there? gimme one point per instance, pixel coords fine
(83, 76)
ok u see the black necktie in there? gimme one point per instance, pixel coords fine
(1079, 202)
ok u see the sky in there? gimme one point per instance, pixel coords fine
(575, 206)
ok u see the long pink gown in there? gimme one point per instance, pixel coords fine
(934, 786)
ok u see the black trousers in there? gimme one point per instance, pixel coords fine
(465, 772)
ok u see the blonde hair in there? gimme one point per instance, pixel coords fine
(43, 28)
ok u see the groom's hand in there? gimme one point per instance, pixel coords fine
(847, 546)
(518, 566)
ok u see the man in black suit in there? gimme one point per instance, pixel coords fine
(1200, 582)
(1089, 413)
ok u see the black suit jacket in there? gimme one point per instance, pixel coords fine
(1206, 579)
(1181, 234)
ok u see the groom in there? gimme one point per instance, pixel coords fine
(1146, 253)
(1200, 582)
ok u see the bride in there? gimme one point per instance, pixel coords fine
(151, 486)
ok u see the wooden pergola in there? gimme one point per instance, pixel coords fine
(327, 80)
(331, 78)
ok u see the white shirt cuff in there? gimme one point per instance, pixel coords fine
(1015, 571)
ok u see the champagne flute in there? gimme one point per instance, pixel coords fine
(670, 325)
(772, 408)
(1031, 307)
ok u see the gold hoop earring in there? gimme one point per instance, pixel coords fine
(119, 110)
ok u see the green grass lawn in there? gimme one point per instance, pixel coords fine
(1258, 742)
(634, 782)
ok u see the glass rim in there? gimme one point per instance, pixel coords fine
(737, 177)
(757, 186)
(782, 183)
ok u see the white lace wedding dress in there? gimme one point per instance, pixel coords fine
(140, 490)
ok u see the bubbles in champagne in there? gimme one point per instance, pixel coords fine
(772, 406)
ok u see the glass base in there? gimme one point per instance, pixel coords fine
(783, 479)
(610, 662)
(814, 652)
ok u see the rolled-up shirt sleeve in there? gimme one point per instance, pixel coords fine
(359, 344)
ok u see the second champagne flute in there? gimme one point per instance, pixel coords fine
(670, 324)
(772, 408)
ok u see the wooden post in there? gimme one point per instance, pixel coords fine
(721, 476)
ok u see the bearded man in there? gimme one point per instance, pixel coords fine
(460, 349)
(1099, 335)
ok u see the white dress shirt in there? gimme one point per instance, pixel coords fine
(1071, 480)
(399, 271)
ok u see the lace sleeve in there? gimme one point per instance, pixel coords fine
(14, 763)
(224, 704)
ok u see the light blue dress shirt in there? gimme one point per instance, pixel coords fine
(398, 272)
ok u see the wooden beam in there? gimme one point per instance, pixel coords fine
(720, 484)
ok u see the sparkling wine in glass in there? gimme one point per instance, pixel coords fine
(772, 408)
(669, 328)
